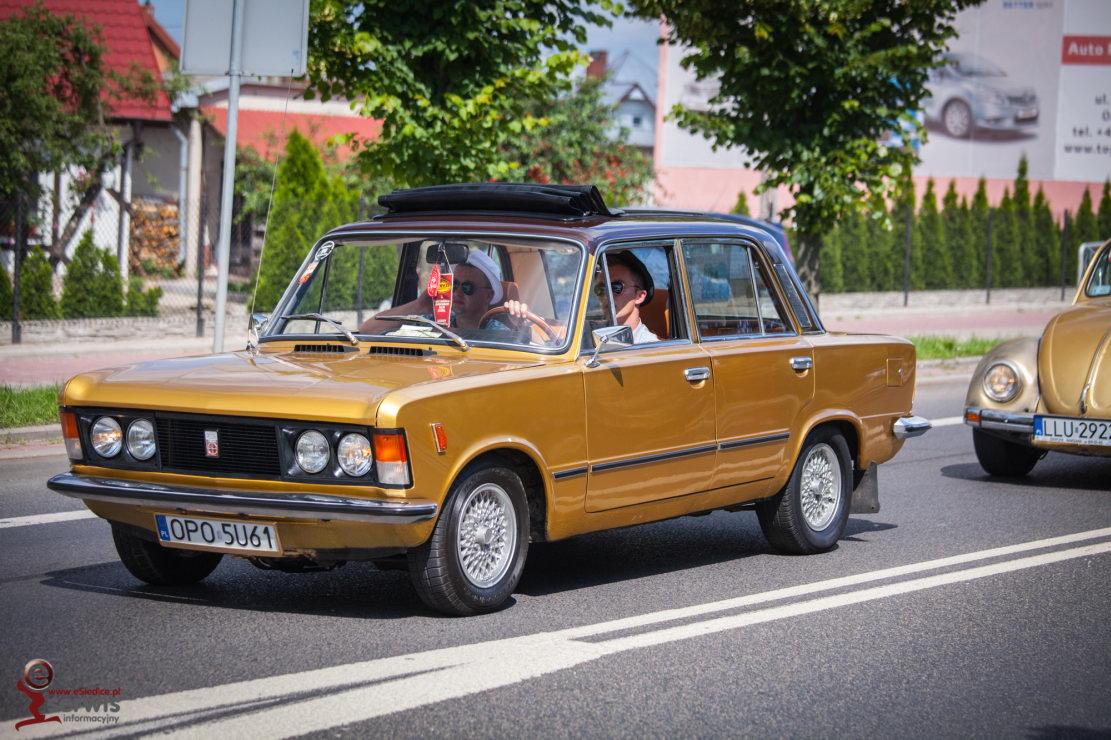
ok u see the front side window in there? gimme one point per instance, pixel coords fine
(498, 291)
(633, 286)
(730, 291)
(1100, 284)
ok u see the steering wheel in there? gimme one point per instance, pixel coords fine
(540, 323)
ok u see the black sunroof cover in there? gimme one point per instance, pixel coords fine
(556, 200)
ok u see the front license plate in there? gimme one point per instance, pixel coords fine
(1072, 431)
(217, 534)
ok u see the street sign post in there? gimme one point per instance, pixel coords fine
(238, 37)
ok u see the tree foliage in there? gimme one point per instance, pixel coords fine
(576, 144)
(5, 294)
(808, 88)
(451, 81)
(1104, 216)
(92, 285)
(50, 105)
(36, 288)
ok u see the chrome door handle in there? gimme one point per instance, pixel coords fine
(798, 364)
(696, 374)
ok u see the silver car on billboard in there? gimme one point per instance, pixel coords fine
(969, 93)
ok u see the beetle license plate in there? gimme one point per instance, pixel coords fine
(1072, 431)
(216, 534)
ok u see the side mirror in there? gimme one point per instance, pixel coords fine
(609, 336)
(255, 328)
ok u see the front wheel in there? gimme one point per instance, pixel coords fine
(957, 119)
(1002, 458)
(808, 516)
(475, 556)
(162, 566)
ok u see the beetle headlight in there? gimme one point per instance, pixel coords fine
(1001, 382)
(140, 439)
(313, 451)
(355, 455)
(106, 436)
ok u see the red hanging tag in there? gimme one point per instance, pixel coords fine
(434, 281)
(441, 302)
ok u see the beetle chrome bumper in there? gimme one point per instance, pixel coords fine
(999, 421)
(910, 426)
(300, 506)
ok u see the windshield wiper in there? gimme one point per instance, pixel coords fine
(321, 317)
(429, 322)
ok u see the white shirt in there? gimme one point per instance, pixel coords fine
(642, 335)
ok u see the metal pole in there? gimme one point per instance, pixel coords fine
(17, 270)
(989, 253)
(1064, 252)
(906, 260)
(201, 231)
(359, 287)
(223, 247)
(123, 234)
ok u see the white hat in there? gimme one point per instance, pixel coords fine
(482, 261)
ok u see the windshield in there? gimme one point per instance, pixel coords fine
(1100, 284)
(974, 66)
(491, 291)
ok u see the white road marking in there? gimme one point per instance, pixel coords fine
(292, 704)
(61, 516)
(948, 421)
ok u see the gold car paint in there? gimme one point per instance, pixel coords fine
(499, 399)
(1022, 355)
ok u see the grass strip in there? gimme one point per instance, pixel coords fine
(948, 348)
(24, 407)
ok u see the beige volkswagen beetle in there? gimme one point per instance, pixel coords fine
(1033, 395)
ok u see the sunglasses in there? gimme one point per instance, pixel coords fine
(616, 286)
(468, 287)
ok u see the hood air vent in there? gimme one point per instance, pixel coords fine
(399, 351)
(330, 349)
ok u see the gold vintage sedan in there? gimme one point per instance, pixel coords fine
(1034, 395)
(486, 366)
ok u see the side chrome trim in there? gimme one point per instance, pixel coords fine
(571, 473)
(305, 506)
(910, 426)
(1001, 421)
(658, 457)
(733, 444)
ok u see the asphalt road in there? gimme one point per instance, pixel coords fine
(967, 606)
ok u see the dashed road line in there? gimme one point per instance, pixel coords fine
(60, 516)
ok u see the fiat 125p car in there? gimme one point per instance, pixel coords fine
(1034, 395)
(485, 366)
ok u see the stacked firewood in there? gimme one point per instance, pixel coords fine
(154, 238)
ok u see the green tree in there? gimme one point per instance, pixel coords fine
(5, 294)
(832, 265)
(451, 81)
(1047, 241)
(1031, 265)
(1006, 258)
(50, 104)
(936, 262)
(36, 287)
(857, 254)
(978, 217)
(902, 212)
(808, 89)
(1104, 217)
(954, 226)
(884, 252)
(576, 145)
(92, 285)
(1085, 228)
(741, 206)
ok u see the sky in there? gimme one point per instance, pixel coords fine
(632, 40)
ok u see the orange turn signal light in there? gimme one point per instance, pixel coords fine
(972, 417)
(69, 424)
(390, 447)
(439, 436)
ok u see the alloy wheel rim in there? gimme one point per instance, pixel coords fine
(957, 120)
(487, 535)
(820, 486)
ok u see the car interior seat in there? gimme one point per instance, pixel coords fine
(656, 314)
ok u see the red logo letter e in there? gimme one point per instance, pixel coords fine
(37, 675)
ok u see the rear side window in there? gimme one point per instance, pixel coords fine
(723, 288)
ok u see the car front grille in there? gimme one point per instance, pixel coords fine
(1021, 99)
(250, 449)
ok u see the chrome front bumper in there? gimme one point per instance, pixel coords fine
(910, 426)
(301, 506)
(999, 421)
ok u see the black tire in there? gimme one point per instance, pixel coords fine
(956, 119)
(162, 566)
(436, 568)
(782, 518)
(1002, 458)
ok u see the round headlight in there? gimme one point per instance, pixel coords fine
(140, 439)
(106, 436)
(355, 455)
(1001, 382)
(312, 451)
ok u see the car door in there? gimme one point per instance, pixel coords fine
(650, 408)
(763, 370)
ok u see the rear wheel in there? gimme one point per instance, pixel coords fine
(957, 119)
(475, 556)
(809, 514)
(1000, 457)
(162, 566)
